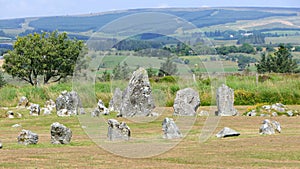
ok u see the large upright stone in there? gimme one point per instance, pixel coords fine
(60, 134)
(186, 102)
(68, 103)
(225, 101)
(170, 129)
(27, 137)
(115, 102)
(137, 99)
(117, 131)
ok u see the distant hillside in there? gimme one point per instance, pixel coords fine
(200, 17)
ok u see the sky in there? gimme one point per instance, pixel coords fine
(32, 8)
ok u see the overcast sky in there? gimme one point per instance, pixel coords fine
(30, 8)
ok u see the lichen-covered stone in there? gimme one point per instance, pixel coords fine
(60, 134)
(137, 99)
(225, 101)
(68, 103)
(186, 102)
(27, 137)
(118, 131)
(170, 129)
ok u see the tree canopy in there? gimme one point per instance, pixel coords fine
(280, 62)
(50, 55)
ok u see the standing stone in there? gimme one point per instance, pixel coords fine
(27, 137)
(60, 134)
(115, 102)
(35, 110)
(227, 132)
(269, 127)
(23, 102)
(68, 103)
(117, 131)
(225, 100)
(137, 99)
(186, 102)
(100, 109)
(1, 146)
(170, 129)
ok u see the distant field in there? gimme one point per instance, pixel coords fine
(288, 39)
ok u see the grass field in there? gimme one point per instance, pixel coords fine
(249, 150)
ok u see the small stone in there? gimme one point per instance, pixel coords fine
(290, 113)
(10, 114)
(117, 131)
(252, 113)
(27, 137)
(274, 114)
(46, 111)
(50, 105)
(1, 145)
(170, 129)
(16, 125)
(35, 110)
(227, 132)
(203, 113)
(60, 134)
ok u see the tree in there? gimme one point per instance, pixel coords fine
(50, 55)
(167, 68)
(121, 72)
(280, 62)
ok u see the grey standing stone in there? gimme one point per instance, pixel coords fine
(27, 137)
(170, 129)
(269, 127)
(1, 145)
(225, 101)
(117, 131)
(115, 102)
(60, 134)
(68, 103)
(227, 132)
(137, 99)
(186, 102)
(35, 110)
(23, 102)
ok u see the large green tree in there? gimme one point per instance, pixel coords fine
(50, 55)
(280, 62)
